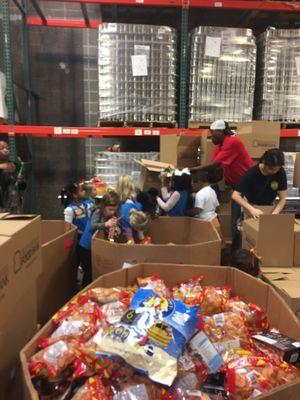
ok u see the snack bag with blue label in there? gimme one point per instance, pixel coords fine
(151, 335)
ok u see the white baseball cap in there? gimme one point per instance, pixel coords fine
(218, 125)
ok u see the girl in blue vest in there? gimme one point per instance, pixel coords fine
(176, 205)
(75, 211)
(90, 192)
(103, 218)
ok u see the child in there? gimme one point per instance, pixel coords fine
(90, 193)
(176, 204)
(242, 259)
(128, 196)
(75, 211)
(103, 218)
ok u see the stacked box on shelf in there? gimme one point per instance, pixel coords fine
(137, 73)
(278, 75)
(222, 74)
(109, 166)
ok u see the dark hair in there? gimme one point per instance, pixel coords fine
(200, 176)
(272, 158)
(148, 201)
(110, 199)
(227, 129)
(180, 183)
(67, 193)
(246, 261)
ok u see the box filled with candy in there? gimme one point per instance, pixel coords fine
(168, 332)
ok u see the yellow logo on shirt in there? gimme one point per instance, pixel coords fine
(274, 185)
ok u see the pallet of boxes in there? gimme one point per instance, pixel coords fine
(276, 239)
(37, 275)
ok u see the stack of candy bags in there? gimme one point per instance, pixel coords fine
(153, 342)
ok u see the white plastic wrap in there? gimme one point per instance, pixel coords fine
(137, 72)
(222, 74)
(278, 75)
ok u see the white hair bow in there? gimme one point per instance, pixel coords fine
(179, 172)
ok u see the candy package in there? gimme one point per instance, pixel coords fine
(154, 283)
(113, 312)
(137, 391)
(151, 335)
(213, 299)
(111, 295)
(251, 376)
(256, 319)
(189, 291)
(226, 331)
(53, 360)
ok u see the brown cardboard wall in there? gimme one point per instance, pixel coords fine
(200, 244)
(296, 181)
(181, 151)
(57, 283)
(243, 285)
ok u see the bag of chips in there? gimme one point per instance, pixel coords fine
(189, 291)
(110, 295)
(93, 389)
(226, 331)
(151, 335)
(53, 360)
(256, 319)
(154, 283)
(251, 376)
(213, 299)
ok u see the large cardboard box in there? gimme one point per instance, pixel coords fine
(265, 209)
(259, 136)
(57, 282)
(296, 181)
(150, 174)
(180, 240)
(273, 238)
(20, 265)
(181, 151)
(206, 149)
(249, 288)
(287, 284)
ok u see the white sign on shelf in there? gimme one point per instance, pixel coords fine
(213, 46)
(297, 60)
(139, 65)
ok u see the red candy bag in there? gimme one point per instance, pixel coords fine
(213, 299)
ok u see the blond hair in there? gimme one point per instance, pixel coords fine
(126, 188)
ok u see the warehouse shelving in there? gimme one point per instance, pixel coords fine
(41, 20)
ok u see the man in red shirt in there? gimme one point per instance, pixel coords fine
(231, 154)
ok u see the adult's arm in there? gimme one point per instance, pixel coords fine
(169, 204)
(254, 212)
(281, 203)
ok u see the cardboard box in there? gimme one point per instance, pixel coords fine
(273, 238)
(296, 180)
(57, 282)
(206, 149)
(20, 265)
(297, 243)
(180, 240)
(150, 174)
(259, 136)
(249, 288)
(225, 222)
(265, 209)
(181, 151)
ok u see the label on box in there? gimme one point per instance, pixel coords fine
(202, 345)
(213, 46)
(297, 60)
(265, 339)
(139, 65)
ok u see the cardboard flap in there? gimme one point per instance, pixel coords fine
(276, 239)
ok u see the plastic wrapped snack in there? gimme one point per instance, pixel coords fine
(256, 319)
(111, 295)
(154, 283)
(53, 360)
(80, 303)
(249, 376)
(226, 331)
(213, 299)
(132, 390)
(93, 389)
(189, 291)
(113, 312)
(151, 335)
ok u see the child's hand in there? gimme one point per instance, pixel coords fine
(111, 223)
